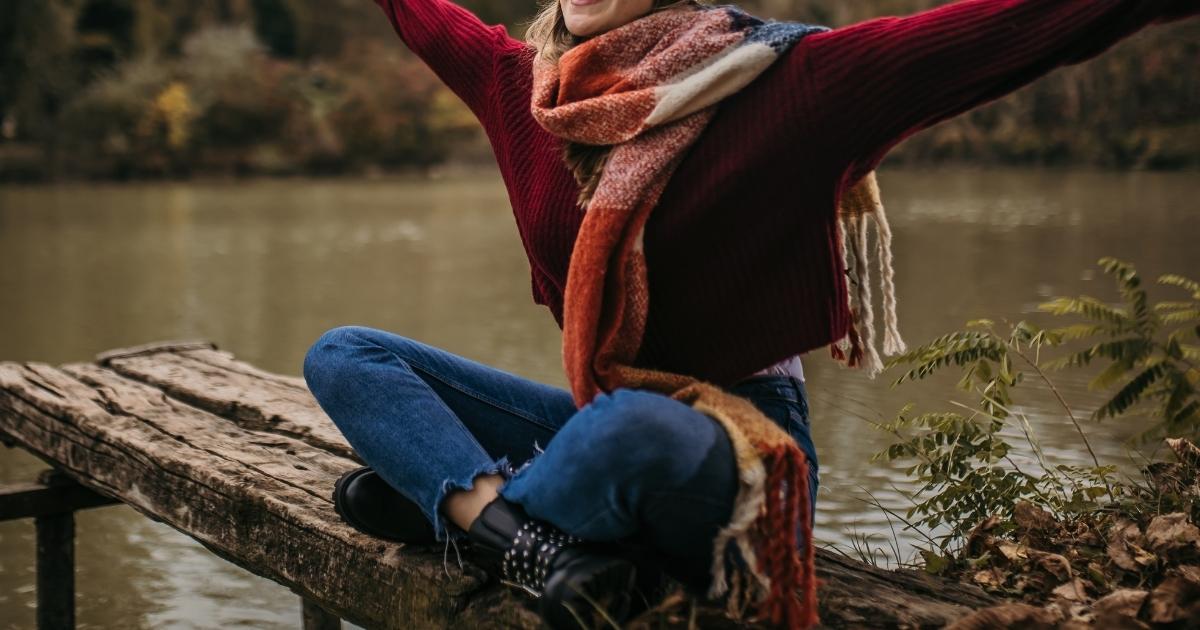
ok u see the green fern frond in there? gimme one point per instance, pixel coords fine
(1075, 359)
(1129, 350)
(1034, 336)
(1126, 274)
(1080, 331)
(1110, 375)
(1174, 306)
(1126, 351)
(958, 348)
(932, 348)
(1186, 284)
(1131, 393)
(1090, 308)
(1181, 317)
(1178, 391)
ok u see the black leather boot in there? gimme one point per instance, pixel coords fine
(364, 500)
(579, 584)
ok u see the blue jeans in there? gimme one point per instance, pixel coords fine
(631, 465)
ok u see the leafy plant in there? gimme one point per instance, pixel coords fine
(967, 460)
(1152, 349)
(964, 458)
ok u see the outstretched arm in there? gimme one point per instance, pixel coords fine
(454, 43)
(880, 81)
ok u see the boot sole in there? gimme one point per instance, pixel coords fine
(600, 597)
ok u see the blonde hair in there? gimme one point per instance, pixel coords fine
(549, 37)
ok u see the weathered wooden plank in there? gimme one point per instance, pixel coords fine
(156, 347)
(235, 390)
(287, 460)
(226, 360)
(243, 461)
(41, 498)
(854, 594)
(239, 493)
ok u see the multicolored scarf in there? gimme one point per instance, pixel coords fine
(648, 89)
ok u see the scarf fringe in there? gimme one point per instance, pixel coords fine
(782, 575)
(892, 342)
(861, 207)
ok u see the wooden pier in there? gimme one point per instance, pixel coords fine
(244, 461)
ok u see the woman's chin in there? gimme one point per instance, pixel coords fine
(585, 27)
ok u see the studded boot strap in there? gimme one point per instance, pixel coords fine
(527, 563)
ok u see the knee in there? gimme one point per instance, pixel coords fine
(653, 436)
(653, 416)
(330, 356)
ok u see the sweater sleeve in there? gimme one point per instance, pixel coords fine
(880, 81)
(459, 48)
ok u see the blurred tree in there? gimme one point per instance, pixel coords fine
(324, 83)
(38, 72)
(275, 23)
(513, 13)
(104, 32)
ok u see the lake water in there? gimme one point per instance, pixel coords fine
(262, 268)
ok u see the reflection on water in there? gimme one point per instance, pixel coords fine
(263, 268)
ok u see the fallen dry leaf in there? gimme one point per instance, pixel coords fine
(1124, 547)
(1032, 520)
(1052, 563)
(1021, 616)
(1187, 572)
(1185, 451)
(990, 578)
(1086, 535)
(1173, 534)
(1013, 552)
(1175, 600)
(1118, 607)
(1073, 591)
(979, 538)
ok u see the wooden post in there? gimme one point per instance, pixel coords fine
(317, 618)
(52, 502)
(55, 571)
(53, 494)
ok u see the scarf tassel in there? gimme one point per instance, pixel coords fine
(861, 208)
(792, 599)
(783, 585)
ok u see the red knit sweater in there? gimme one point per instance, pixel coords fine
(724, 300)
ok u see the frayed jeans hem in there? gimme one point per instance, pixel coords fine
(446, 529)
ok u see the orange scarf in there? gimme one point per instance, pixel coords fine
(647, 89)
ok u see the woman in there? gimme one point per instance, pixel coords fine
(745, 173)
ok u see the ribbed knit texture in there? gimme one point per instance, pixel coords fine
(744, 264)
